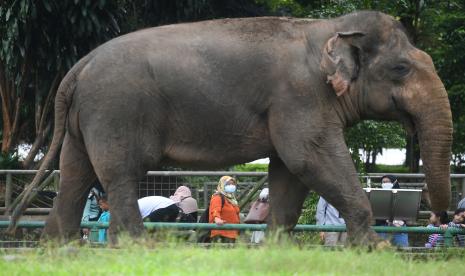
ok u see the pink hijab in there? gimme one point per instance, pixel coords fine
(183, 198)
(181, 193)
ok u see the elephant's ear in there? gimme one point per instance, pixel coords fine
(340, 61)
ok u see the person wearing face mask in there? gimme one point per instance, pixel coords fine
(398, 239)
(389, 182)
(224, 209)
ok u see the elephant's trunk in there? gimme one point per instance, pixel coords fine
(433, 122)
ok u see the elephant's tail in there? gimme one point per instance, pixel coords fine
(63, 100)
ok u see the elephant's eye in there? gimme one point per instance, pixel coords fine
(401, 69)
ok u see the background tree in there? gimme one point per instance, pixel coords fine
(372, 137)
(41, 40)
(443, 37)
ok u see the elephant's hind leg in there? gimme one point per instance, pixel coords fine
(287, 195)
(122, 189)
(76, 178)
(120, 171)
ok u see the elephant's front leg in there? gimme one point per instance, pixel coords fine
(320, 159)
(287, 195)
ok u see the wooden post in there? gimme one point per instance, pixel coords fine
(8, 190)
(206, 200)
(56, 181)
(252, 192)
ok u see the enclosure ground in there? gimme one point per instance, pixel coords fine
(191, 260)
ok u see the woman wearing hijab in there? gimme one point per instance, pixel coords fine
(224, 209)
(184, 200)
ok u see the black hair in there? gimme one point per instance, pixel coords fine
(104, 197)
(97, 185)
(459, 210)
(395, 182)
(443, 217)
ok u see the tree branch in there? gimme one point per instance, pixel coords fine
(49, 100)
(38, 143)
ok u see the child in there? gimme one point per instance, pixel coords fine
(457, 222)
(436, 219)
(104, 217)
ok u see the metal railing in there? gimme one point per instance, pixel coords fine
(162, 183)
(448, 233)
(202, 183)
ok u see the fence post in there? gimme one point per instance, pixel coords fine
(56, 181)
(448, 238)
(8, 189)
(463, 188)
(252, 192)
(206, 201)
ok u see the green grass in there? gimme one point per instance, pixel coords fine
(381, 168)
(186, 260)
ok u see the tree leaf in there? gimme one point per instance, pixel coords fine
(47, 5)
(22, 51)
(101, 4)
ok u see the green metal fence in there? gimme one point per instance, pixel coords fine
(448, 233)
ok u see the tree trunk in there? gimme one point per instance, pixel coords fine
(367, 160)
(412, 154)
(373, 161)
(11, 103)
(12, 94)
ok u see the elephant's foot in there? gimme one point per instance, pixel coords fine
(135, 233)
(59, 232)
(367, 239)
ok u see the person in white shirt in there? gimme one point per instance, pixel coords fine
(326, 214)
(158, 209)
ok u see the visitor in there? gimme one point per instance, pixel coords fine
(158, 209)
(461, 204)
(458, 221)
(188, 205)
(258, 213)
(92, 210)
(326, 214)
(224, 209)
(104, 217)
(397, 239)
(436, 219)
(389, 182)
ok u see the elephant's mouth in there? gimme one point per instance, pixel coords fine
(408, 123)
(405, 118)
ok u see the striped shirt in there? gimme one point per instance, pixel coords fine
(434, 240)
(459, 238)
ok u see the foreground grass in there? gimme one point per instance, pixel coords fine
(182, 260)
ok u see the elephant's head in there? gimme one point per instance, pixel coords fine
(370, 61)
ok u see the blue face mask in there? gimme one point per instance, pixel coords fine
(230, 188)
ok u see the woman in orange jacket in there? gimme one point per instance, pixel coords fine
(224, 209)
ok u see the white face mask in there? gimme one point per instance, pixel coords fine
(264, 194)
(230, 188)
(387, 185)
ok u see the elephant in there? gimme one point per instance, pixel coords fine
(216, 93)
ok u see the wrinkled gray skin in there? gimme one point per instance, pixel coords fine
(216, 93)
